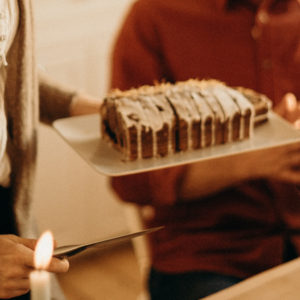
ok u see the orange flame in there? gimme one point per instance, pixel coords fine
(43, 251)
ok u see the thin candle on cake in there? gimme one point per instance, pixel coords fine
(40, 278)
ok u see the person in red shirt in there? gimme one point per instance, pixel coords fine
(231, 218)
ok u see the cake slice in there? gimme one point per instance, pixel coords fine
(185, 115)
(221, 122)
(166, 143)
(247, 112)
(231, 112)
(207, 124)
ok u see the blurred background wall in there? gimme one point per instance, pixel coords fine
(74, 39)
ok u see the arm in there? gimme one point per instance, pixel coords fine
(202, 179)
(281, 163)
(16, 263)
(56, 101)
(196, 181)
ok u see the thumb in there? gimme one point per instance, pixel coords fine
(58, 265)
(290, 102)
(297, 124)
(286, 105)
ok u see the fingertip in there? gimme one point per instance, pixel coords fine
(291, 101)
(65, 265)
(59, 265)
(297, 124)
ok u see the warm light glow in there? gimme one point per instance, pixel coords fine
(43, 251)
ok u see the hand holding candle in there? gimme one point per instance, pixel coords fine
(16, 262)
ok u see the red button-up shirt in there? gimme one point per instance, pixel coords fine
(241, 230)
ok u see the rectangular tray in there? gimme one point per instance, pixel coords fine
(82, 133)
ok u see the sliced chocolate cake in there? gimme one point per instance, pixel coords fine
(154, 121)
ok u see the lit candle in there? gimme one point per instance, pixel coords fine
(40, 278)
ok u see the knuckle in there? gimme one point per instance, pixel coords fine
(14, 259)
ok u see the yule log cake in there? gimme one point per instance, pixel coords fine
(154, 121)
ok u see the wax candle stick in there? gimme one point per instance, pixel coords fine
(40, 285)
(40, 278)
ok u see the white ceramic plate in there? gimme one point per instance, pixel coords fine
(83, 135)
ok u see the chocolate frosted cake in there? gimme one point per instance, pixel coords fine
(159, 120)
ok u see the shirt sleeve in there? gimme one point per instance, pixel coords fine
(55, 99)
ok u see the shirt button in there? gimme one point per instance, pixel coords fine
(2, 37)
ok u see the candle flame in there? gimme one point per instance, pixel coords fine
(43, 251)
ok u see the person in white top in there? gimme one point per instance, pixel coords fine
(18, 121)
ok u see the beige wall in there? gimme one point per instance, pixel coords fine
(73, 43)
